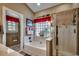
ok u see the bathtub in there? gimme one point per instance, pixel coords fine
(35, 48)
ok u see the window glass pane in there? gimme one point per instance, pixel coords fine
(10, 29)
(11, 26)
(14, 28)
(14, 24)
(42, 27)
(9, 23)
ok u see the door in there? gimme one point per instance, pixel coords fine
(13, 31)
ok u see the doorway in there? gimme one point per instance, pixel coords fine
(12, 27)
(12, 32)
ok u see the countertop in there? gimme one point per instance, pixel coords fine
(5, 51)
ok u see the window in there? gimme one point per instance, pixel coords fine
(11, 26)
(42, 27)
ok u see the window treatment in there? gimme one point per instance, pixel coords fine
(13, 19)
(42, 19)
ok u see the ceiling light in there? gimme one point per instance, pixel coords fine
(38, 4)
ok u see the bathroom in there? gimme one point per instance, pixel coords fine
(19, 30)
(40, 32)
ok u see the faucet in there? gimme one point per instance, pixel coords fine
(40, 42)
(30, 39)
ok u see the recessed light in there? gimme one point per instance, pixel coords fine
(38, 4)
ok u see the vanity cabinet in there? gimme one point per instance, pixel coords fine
(49, 47)
(12, 39)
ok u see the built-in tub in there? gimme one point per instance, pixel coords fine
(36, 48)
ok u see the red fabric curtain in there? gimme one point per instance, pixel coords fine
(42, 19)
(13, 19)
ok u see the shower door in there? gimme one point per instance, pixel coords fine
(66, 42)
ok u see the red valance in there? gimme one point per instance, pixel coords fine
(13, 19)
(42, 19)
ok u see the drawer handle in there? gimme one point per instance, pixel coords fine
(14, 40)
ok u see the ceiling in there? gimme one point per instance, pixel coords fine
(35, 8)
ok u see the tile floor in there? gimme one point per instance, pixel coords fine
(17, 48)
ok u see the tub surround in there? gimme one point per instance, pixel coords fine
(34, 51)
(5, 51)
(36, 48)
(40, 46)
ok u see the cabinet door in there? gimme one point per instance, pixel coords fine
(12, 39)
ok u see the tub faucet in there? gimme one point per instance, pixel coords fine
(40, 42)
(30, 39)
